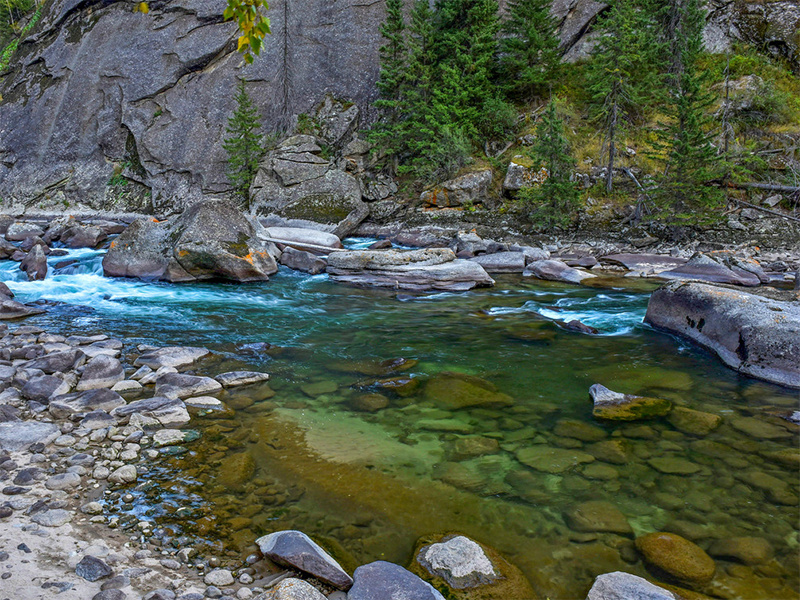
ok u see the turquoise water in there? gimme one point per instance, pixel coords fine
(368, 475)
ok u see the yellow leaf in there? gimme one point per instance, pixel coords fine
(143, 8)
(243, 41)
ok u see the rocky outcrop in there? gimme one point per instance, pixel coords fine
(296, 187)
(414, 270)
(755, 334)
(468, 189)
(210, 240)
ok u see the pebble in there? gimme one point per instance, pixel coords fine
(169, 563)
(101, 473)
(92, 508)
(92, 568)
(112, 594)
(126, 474)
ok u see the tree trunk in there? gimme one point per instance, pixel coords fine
(612, 147)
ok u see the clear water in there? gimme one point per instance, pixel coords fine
(369, 484)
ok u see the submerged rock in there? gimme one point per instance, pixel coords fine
(597, 516)
(624, 586)
(381, 580)
(453, 391)
(746, 550)
(296, 550)
(415, 270)
(693, 422)
(676, 558)
(210, 240)
(237, 378)
(615, 406)
(552, 460)
(754, 334)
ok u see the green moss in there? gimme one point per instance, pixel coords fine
(325, 208)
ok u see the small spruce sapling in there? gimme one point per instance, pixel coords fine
(244, 144)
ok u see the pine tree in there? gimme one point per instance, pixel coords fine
(465, 50)
(529, 56)
(244, 146)
(556, 199)
(690, 156)
(393, 54)
(623, 73)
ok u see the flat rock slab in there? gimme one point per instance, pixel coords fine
(19, 435)
(81, 403)
(177, 357)
(555, 270)
(752, 333)
(597, 516)
(382, 580)
(52, 518)
(552, 460)
(501, 262)
(167, 411)
(102, 371)
(624, 586)
(57, 362)
(644, 263)
(11, 309)
(295, 549)
(299, 237)
(235, 378)
(703, 268)
(178, 385)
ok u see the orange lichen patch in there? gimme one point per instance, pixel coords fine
(182, 253)
(112, 245)
(154, 220)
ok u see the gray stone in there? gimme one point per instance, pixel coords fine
(110, 594)
(295, 549)
(52, 518)
(236, 378)
(501, 262)
(702, 268)
(167, 411)
(177, 357)
(35, 264)
(624, 586)
(754, 334)
(461, 562)
(83, 236)
(219, 578)
(18, 436)
(520, 175)
(58, 362)
(11, 309)
(644, 263)
(125, 474)
(554, 270)
(98, 419)
(292, 589)
(101, 372)
(382, 580)
(92, 568)
(178, 385)
(17, 232)
(302, 261)
(81, 403)
(302, 238)
(44, 387)
(63, 481)
(413, 270)
(212, 239)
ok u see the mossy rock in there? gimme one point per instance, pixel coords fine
(693, 422)
(676, 559)
(236, 470)
(615, 406)
(509, 584)
(453, 391)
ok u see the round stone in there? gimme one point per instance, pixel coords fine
(677, 558)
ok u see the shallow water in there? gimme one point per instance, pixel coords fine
(302, 453)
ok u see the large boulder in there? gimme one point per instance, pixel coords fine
(755, 334)
(521, 173)
(35, 264)
(11, 309)
(212, 239)
(296, 187)
(470, 188)
(17, 232)
(300, 238)
(82, 236)
(296, 550)
(414, 270)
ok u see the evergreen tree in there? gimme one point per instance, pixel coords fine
(529, 48)
(690, 156)
(466, 45)
(244, 146)
(556, 199)
(386, 132)
(623, 73)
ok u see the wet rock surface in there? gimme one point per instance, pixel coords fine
(297, 550)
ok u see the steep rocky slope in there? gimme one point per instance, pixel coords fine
(116, 109)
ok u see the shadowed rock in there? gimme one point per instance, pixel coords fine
(382, 580)
(295, 549)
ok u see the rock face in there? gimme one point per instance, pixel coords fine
(210, 240)
(180, 60)
(755, 335)
(414, 270)
(295, 549)
(470, 188)
(624, 586)
(296, 187)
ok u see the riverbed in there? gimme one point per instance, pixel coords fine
(363, 438)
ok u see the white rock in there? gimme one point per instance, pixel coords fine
(219, 578)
